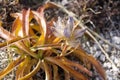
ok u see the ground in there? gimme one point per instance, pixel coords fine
(101, 16)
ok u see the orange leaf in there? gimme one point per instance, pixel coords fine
(39, 16)
(10, 67)
(97, 65)
(24, 68)
(93, 61)
(48, 73)
(33, 72)
(25, 21)
(83, 69)
(17, 25)
(49, 5)
(10, 42)
(55, 72)
(67, 68)
(8, 36)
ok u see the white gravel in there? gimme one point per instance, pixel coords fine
(112, 72)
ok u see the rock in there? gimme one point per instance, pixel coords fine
(64, 2)
(116, 61)
(116, 40)
(107, 65)
(101, 42)
(102, 57)
(97, 54)
(88, 43)
(106, 47)
(94, 48)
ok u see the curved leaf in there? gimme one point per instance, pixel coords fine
(5, 34)
(92, 60)
(48, 73)
(55, 73)
(10, 67)
(33, 72)
(24, 68)
(67, 68)
(98, 66)
(17, 27)
(8, 36)
(25, 21)
(10, 42)
(39, 17)
(80, 67)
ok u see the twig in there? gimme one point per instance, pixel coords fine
(106, 41)
(106, 55)
(82, 26)
(93, 11)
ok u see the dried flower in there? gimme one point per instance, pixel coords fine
(68, 31)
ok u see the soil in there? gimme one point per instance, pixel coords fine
(104, 14)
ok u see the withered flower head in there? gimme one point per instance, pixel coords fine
(67, 31)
